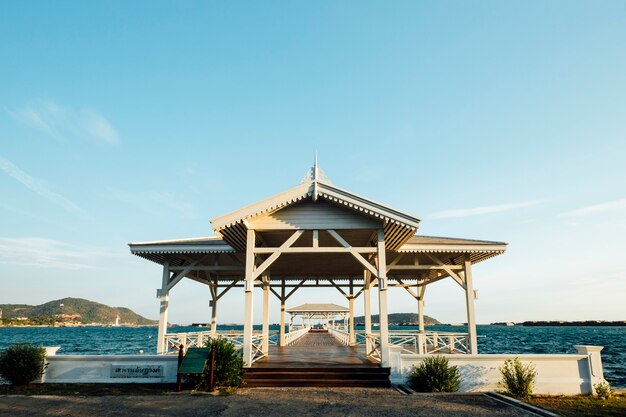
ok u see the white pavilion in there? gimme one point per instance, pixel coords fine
(319, 235)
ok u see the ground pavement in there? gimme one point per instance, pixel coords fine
(259, 402)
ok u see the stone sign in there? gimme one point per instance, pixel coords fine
(136, 371)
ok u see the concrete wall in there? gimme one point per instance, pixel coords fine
(556, 374)
(111, 368)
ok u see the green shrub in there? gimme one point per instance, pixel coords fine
(228, 366)
(22, 363)
(435, 374)
(603, 390)
(518, 379)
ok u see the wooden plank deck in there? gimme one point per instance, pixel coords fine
(315, 349)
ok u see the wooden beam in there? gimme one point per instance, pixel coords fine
(409, 290)
(425, 267)
(320, 249)
(395, 261)
(276, 254)
(209, 268)
(294, 289)
(275, 293)
(186, 269)
(232, 285)
(446, 268)
(339, 288)
(354, 253)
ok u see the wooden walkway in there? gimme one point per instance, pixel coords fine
(315, 349)
(316, 339)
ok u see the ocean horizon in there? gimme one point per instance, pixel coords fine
(103, 340)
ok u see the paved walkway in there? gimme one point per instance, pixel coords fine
(259, 402)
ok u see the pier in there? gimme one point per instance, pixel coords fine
(317, 235)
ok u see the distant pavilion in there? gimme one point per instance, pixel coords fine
(317, 235)
(324, 314)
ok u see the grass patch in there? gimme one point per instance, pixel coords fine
(583, 405)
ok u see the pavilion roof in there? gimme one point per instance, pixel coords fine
(318, 308)
(159, 251)
(211, 244)
(398, 226)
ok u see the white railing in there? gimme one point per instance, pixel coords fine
(372, 346)
(342, 337)
(173, 341)
(444, 342)
(416, 342)
(291, 337)
(257, 347)
(198, 339)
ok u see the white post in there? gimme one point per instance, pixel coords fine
(352, 335)
(420, 314)
(164, 298)
(382, 300)
(282, 316)
(214, 316)
(367, 313)
(420, 307)
(594, 366)
(469, 301)
(266, 314)
(248, 298)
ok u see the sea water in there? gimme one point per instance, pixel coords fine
(492, 339)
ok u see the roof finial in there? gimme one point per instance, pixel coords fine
(315, 173)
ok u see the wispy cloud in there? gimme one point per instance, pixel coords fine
(50, 253)
(184, 208)
(477, 211)
(37, 186)
(609, 206)
(64, 123)
(155, 203)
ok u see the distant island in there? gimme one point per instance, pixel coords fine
(69, 312)
(599, 323)
(397, 319)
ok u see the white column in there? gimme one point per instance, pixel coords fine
(282, 316)
(214, 316)
(469, 301)
(164, 298)
(248, 298)
(266, 313)
(420, 306)
(420, 314)
(382, 300)
(367, 312)
(351, 305)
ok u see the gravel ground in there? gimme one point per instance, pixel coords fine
(283, 402)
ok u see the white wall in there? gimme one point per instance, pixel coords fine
(110, 368)
(568, 374)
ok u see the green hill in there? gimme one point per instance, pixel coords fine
(398, 319)
(85, 310)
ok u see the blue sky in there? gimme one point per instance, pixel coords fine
(491, 120)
